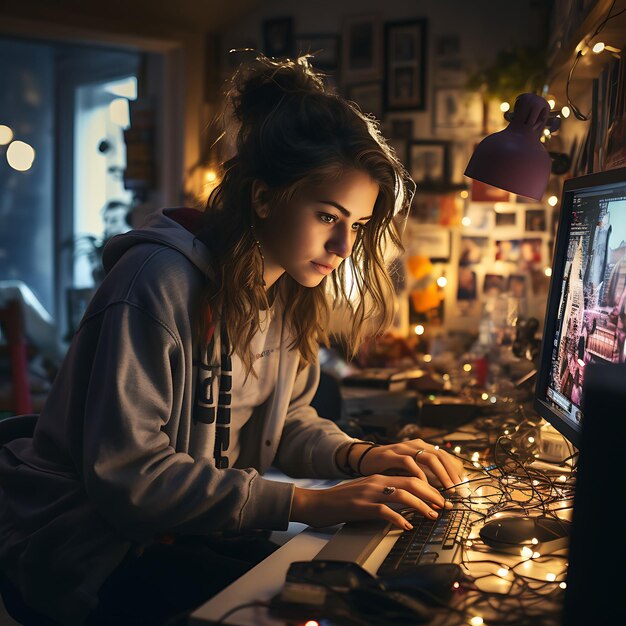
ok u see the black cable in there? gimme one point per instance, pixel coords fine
(580, 116)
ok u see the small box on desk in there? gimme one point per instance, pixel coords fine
(445, 411)
(389, 378)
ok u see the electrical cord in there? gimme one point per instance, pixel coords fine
(577, 113)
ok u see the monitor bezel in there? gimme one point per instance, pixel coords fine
(543, 408)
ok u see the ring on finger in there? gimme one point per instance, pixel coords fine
(388, 490)
(420, 451)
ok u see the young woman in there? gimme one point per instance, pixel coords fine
(193, 370)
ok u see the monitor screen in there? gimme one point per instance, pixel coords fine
(586, 312)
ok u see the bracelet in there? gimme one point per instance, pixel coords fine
(347, 468)
(360, 461)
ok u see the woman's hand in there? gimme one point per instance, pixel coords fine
(412, 458)
(366, 499)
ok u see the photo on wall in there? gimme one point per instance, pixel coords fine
(535, 220)
(473, 250)
(467, 284)
(508, 250)
(494, 285)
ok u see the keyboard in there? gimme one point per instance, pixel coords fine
(429, 541)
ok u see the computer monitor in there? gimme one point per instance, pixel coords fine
(585, 320)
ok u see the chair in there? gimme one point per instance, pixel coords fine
(12, 321)
(17, 427)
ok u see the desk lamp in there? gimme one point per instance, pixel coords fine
(514, 159)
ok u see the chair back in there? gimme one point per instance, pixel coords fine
(17, 427)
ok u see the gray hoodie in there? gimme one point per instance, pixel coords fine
(125, 448)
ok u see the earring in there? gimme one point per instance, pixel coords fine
(258, 245)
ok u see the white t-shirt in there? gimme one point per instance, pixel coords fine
(245, 397)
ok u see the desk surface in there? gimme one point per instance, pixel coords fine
(540, 576)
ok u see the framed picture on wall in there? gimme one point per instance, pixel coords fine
(456, 110)
(361, 48)
(369, 97)
(405, 65)
(278, 37)
(324, 48)
(429, 163)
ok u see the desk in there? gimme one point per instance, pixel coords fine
(266, 579)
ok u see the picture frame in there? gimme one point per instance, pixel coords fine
(457, 111)
(448, 62)
(405, 65)
(369, 97)
(429, 163)
(323, 47)
(361, 48)
(278, 40)
(430, 241)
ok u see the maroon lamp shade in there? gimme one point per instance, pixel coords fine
(514, 159)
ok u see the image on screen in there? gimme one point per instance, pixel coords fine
(591, 324)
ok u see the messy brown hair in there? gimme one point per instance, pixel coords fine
(291, 132)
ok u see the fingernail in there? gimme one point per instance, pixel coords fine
(432, 513)
(448, 504)
(408, 526)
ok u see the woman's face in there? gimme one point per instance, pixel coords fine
(315, 232)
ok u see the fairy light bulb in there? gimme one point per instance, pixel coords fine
(550, 577)
(565, 112)
(598, 47)
(563, 585)
(456, 584)
(20, 156)
(311, 622)
(477, 620)
(457, 449)
(428, 358)
(466, 221)
(419, 329)
(475, 456)
(553, 200)
(551, 102)
(210, 176)
(526, 552)
(504, 107)
(562, 478)
(531, 440)
(442, 281)
(6, 135)
(546, 132)
(503, 572)
(536, 555)
(493, 399)
(464, 194)
(534, 541)
(467, 367)
(484, 396)
(548, 272)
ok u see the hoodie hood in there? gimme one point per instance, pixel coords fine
(174, 228)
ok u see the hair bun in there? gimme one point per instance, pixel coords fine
(260, 85)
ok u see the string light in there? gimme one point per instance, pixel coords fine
(553, 200)
(466, 221)
(504, 107)
(485, 396)
(548, 272)
(565, 111)
(464, 194)
(428, 358)
(526, 552)
(477, 620)
(551, 577)
(20, 155)
(6, 135)
(563, 585)
(457, 449)
(467, 367)
(503, 572)
(442, 281)
(419, 329)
